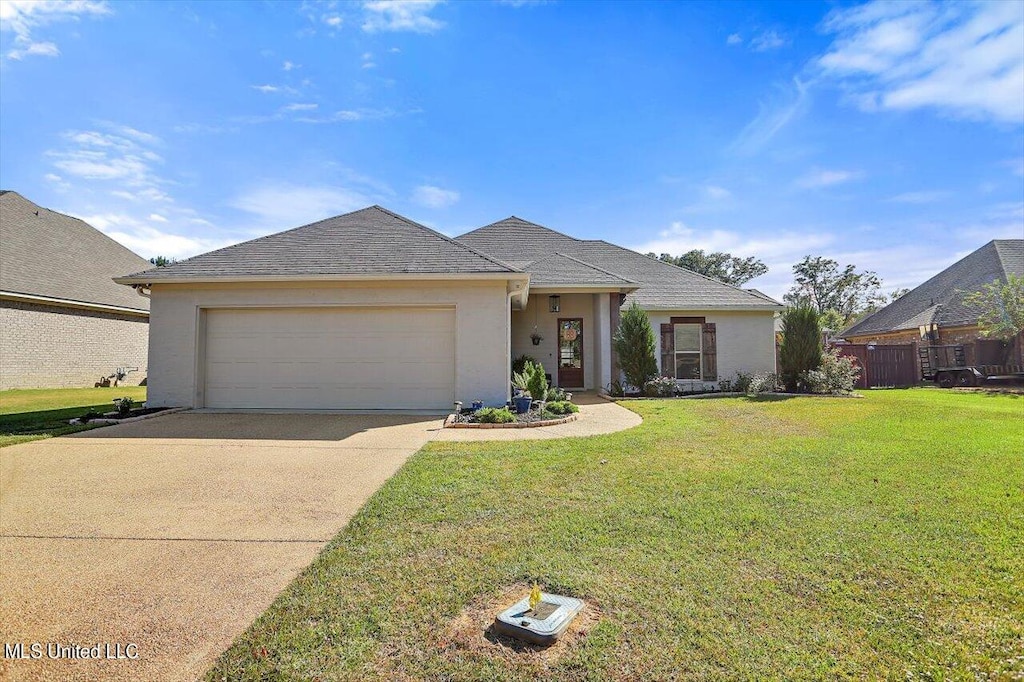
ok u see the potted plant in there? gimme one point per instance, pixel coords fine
(520, 382)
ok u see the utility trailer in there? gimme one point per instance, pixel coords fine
(947, 366)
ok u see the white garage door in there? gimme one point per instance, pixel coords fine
(330, 358)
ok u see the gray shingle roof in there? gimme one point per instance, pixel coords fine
(45, 253)
(662, 285)
(940, 299)
(560, 269)
(365, 242)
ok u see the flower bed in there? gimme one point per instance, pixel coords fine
(555, 412)
(528, 422)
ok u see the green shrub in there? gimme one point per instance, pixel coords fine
(801, 348)
(556, 394)
(124, 406)
(837, 374)
(634, 345)
(519, 363)
(660, 387)
(536, 382)
(495, 415)
(763, 382)
(616, 389)
(741, 384)
(562, 407)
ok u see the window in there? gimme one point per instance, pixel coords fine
(687, 344)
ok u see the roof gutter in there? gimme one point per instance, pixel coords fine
(133, 280)
(68, 303)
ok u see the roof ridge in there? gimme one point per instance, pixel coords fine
(522, 220)
(679, 267)
(446, 238)
(595, 267)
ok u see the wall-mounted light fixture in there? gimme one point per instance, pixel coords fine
(554, 304)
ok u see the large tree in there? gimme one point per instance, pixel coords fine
(1001, 306)
(823, 285)
(161, 261)
(724, 267)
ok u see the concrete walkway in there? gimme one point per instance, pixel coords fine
(597, 416)
(174, 534)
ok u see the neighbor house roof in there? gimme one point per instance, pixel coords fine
(370, 241)
(48, 255)
(661, 285)
(940, 299)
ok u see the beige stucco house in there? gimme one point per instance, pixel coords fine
(63, 320)
(370, 310)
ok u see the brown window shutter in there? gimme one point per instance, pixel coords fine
(668, 347)
(709, 360)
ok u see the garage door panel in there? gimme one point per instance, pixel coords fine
(330, 358)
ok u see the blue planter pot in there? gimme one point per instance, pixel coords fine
(522, 404)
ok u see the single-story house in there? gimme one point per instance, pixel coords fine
(370, 310)
(934, 313)
(63, 321)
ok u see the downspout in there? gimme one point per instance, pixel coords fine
(142, 290)
(508, 344)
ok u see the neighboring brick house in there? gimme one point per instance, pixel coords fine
(63, 321)
(934, 313)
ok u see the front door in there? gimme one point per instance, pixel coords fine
(570, 353)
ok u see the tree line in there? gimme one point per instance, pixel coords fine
(840, 294)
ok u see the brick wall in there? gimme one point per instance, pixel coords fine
(50, 347)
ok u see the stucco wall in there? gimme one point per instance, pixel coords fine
(537, 313)
(745, 340)
(481, 328)
(55, 347)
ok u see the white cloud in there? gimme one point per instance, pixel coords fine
(827, 178)
(288, 66)
(157, 218)
(299, 106)
(400, 15)
(272, 89)
(734, 39)
(94, 155)
(34, 49)
(774, 114)
(333, 20)
(282, 206)
(717, 193)
(768, 40)
(353, 115)
(22, 17)
(434, 197)
(963, 59)
(920, 197)
(148, 241)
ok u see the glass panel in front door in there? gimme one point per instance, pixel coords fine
(570, 335)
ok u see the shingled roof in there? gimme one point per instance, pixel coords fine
(48, 254)
(940, 299)
(369, 241)
(562, 270)
(662, 286)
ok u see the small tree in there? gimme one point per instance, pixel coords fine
(801, 346)
(634, 344)
(1001, 307)
(536, 381)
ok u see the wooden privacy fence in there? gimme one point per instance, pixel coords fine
(883, 366)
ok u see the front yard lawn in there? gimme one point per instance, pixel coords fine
(728, 538)
(32, 414)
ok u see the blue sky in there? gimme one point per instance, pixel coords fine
(887, 135)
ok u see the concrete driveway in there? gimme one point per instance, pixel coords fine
(174, 534)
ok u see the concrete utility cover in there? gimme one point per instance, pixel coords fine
(542, 625)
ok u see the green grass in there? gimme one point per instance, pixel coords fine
(722, 539)
(32, 414)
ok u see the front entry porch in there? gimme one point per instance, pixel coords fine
(570, 334)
